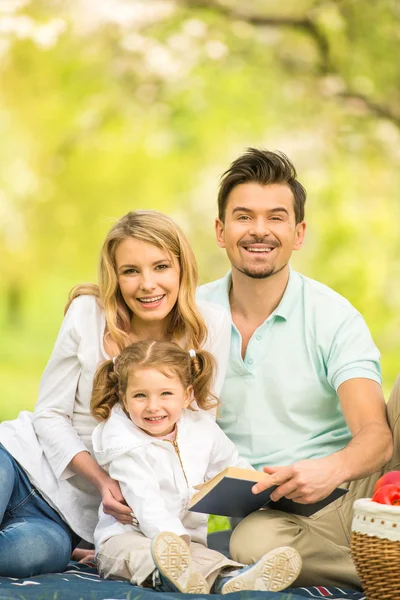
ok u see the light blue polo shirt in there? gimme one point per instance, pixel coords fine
(280, 404)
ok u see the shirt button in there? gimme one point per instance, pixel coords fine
(258, 338)
(250, 361)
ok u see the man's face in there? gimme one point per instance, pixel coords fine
(260, 233)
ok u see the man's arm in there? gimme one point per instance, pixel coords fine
(364, 409)
(371, 447)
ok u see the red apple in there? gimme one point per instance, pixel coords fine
(388, 478)
(387, 494)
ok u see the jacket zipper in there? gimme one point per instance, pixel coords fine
(176, 448)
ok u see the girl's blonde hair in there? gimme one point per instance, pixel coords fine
(112, 377)
(161, 231)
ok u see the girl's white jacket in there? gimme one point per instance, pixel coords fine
(157, 476)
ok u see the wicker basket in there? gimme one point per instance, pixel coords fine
(375, 546)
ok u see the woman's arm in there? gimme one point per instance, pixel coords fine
(64, 449)
(55, 406)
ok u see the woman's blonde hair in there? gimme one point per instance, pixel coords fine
(112, 377)
(161, 231)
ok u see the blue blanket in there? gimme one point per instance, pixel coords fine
(81, 582)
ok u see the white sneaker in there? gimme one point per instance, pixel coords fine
(176, 571)
(274, 572)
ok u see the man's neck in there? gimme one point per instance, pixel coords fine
(256, 299)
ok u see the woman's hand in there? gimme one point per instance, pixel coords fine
(114, 503)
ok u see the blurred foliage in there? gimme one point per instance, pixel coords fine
(112, 105)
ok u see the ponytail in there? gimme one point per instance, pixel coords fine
(203, 368)
(105, 392)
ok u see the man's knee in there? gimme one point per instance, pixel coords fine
(261, 532)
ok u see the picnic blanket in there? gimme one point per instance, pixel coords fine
(82, 582)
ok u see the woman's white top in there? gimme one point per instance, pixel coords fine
(157, 477)
(45, 441)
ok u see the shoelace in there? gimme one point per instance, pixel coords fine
(155, 578)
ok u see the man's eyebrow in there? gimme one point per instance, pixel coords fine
(279, 209)
(271, 210)
(241, 209)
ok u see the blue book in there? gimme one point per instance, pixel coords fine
(229, 494)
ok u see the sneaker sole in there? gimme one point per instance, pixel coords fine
(274, 572)
(173, 559)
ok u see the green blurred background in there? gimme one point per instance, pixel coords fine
(108, 106)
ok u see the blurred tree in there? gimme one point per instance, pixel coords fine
(107, 106)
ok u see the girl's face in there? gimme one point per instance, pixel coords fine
(148, 278)
(154, 401)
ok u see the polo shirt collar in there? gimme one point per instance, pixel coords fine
(285, 306)
(290, 296)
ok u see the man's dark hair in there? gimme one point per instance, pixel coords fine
(263, 167)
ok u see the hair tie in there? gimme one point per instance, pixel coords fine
(192, 353)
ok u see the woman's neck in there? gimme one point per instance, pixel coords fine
(147, 330)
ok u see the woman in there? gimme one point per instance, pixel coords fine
(50, 485)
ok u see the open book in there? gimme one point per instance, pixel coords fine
(229, 494)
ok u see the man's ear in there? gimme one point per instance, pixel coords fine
(299, 235)
(219, 232)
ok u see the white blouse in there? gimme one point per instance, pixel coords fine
(44, 442)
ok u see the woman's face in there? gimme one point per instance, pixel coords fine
(148, 278)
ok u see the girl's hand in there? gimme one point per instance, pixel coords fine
(114, 503)
(83, 555)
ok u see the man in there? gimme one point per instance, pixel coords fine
(302, 392)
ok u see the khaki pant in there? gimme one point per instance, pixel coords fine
(322, 540)
(128, 556)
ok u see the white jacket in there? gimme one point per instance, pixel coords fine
(157, 476)
(45, 441)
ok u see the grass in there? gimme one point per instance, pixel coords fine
(217, 524)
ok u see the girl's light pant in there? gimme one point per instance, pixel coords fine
(128, 556)
(322, 540)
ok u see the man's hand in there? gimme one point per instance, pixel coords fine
(306, 481)
(114, 503)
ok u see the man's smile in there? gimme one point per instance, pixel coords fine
(264, 250)
(257, 248)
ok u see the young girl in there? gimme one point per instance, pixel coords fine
(158, 447)
(50, 484)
